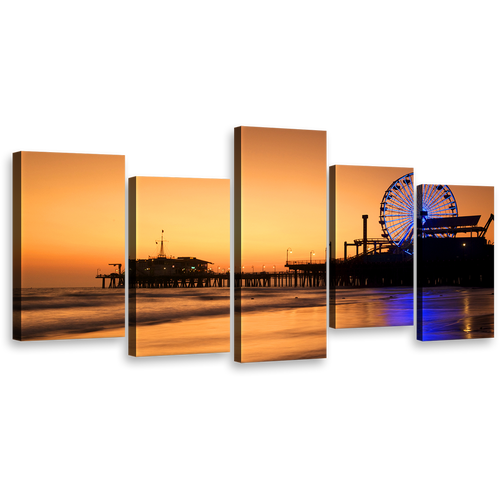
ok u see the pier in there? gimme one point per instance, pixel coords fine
(365, 270)
(187, 280)
(116, 279)
(442, 261)
(372, 270)
(295, 278)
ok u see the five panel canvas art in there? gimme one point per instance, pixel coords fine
(69, 252)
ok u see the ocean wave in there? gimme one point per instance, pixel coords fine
(51, 329)
(52, 313)
(30, 306)
(59, 299)
(157, 316)
(295, 298)
(182, 293)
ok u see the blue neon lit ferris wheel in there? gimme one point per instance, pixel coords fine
(396, 209)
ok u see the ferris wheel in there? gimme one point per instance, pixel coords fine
(396, 209)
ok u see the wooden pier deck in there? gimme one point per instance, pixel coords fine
(115, 280)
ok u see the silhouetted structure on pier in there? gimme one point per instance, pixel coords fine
(372, 270)
(310, 273)
(116, 279)
(444, 258)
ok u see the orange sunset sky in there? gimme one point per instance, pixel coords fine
(283, 192)
(73, 209)
(73, 217)
(194, 213)
(360, 189)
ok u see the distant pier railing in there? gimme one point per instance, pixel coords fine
(313, 278)
(304, 263)
(184, 280)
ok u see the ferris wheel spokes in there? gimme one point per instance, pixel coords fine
(396, 209)
(408, 196)
(402, 232)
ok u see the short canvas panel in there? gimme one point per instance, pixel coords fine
(179, 251)
(371, 246)
(69, 246)
(455, 262)
(280, 244)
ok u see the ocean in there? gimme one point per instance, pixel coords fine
(451, 313)
(372, 307)
(70, 313)
(277, 323)
(448, 312)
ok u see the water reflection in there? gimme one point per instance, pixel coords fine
(372, 307)
(456, 313)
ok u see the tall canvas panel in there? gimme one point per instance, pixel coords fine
(371, 246)
(179, 258)
(280, 244)
(69, 246)
(455, 262)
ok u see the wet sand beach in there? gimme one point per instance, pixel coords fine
(451, 313)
